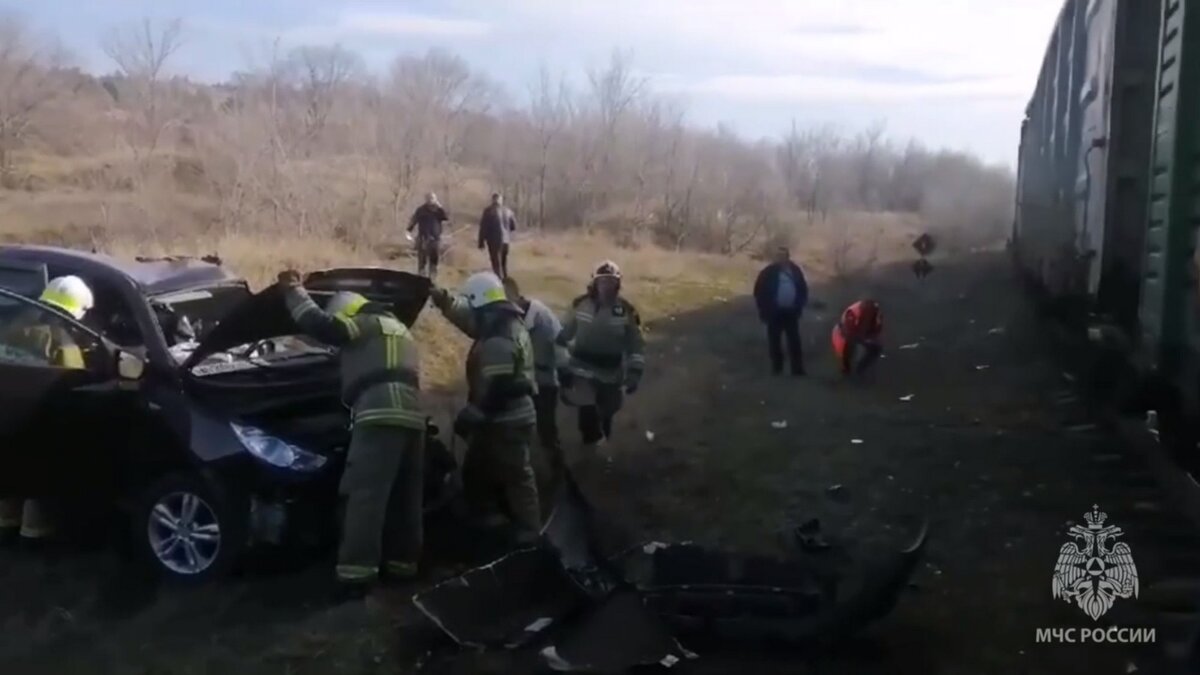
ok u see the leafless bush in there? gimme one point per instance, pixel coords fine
(307, 143)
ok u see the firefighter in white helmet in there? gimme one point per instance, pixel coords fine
(498, 420)
(29, 520)
(602, 331)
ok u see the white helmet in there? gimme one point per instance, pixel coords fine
(69, 294)
(345, 303)
(483, 288)
(607, 268)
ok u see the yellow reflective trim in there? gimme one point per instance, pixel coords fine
(353, 307)
(70, 356)
(506, 369)
(356, 573)
(495, 295)
(61, 301)
(405, 569)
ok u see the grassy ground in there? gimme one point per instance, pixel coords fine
(983, 449)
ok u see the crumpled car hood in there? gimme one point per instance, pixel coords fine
(264, 315)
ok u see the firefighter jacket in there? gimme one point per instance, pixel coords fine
(47, 343)
(379, 360)
(605, 340)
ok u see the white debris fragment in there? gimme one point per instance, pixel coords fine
(971, 322)
(781, 424)
(408, 236)
(669, 660)
(982, 367)
(906, 397)
(650, 436)
(653, 546)
(1068, 377)
(538, 625)
(912, 345)
(1131, 667)
(556, 662)
(856, 441)
(998, 330)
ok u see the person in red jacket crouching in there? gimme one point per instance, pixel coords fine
(857, 337)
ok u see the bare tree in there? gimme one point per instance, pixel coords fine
(320, 75)
(141, 52)
(549, 111)
(27, 82)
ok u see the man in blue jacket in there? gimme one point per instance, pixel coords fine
(781, 293)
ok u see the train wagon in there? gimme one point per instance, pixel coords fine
(1108, 196)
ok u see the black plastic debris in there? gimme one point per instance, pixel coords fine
(505, 604)
(588, 612)
(621, 633)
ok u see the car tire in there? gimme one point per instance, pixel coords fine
(188, 530)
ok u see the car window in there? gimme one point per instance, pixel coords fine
(34, 335)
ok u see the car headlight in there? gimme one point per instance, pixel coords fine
(275, 451)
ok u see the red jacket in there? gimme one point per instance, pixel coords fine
(862, 321)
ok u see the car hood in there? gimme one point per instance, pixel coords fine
(264, 314)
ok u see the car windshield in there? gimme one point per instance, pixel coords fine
(188, 315)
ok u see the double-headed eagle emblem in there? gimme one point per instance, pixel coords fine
(1095, 569)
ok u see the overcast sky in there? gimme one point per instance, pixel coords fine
(953, 73)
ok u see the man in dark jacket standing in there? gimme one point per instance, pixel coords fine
(781, 293)
(495, 230)
(428, 219)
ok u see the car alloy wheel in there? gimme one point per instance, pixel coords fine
(184, 533)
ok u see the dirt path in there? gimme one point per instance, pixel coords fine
(984, 453)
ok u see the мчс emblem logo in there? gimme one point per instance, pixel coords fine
(1095, 569)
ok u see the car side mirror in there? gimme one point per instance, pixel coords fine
(129, 366)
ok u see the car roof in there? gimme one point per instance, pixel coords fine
(152, 277)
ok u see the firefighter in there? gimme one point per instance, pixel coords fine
(499, 418)
(429, 220)
(543, 327)
(856, 337)
(29, 520)
(381, 487)
(603, 333)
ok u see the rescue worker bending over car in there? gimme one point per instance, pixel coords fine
(499, 417)
(381, 488)
(29, 520)
(602, 331)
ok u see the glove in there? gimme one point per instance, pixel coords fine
(466, 421)
(440, 296)
(288, 278)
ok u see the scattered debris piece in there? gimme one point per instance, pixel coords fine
(912, 345)
(650, 436)
(837, 493)
(781, 424)
(982, 367)
(856, 441)
(906, 397)
(998, 330)
(1081, 428)
(971, 322)
(1068, 377)
(1131, 667)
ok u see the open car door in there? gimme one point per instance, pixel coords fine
(59, 417)
(264, 315)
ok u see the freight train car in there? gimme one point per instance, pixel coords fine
(1108, 197)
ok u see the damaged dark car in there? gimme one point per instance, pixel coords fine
(202, 417)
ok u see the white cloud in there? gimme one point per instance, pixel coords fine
(741, 42)
(362, 24)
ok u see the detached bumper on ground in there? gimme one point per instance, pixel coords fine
(587, 612)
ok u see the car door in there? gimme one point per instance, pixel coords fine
(57, 423)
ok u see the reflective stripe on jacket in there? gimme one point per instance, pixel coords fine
(379, 360)
(500, 368)
(605, 341)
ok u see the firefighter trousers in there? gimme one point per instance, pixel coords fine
(596, 421)
(382, 494)
(31, 518)
(546, 404)
(497, 472)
